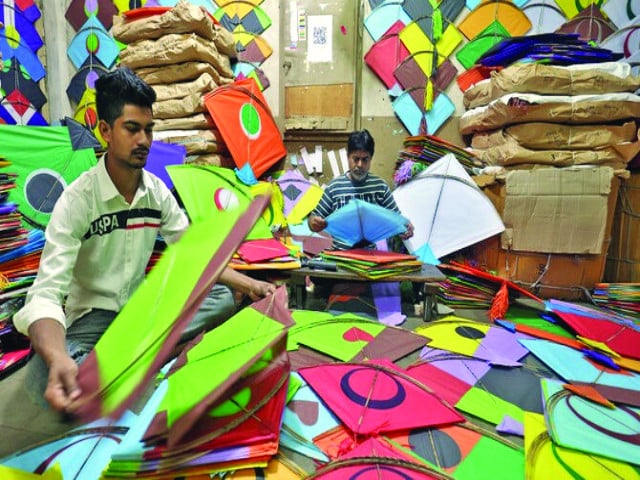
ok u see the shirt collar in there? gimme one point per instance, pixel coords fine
(107, 187)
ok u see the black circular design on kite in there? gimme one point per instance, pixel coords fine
(42, 190)
(380, 468)
(436, 447)
(633, 437)
(469, 332)
(378, 404)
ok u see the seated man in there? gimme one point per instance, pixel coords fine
(98, 242)
(358, 183)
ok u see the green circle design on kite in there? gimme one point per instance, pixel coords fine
(250, 121)
(92, 43)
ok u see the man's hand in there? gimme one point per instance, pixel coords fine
(316, 223)
(259, 289)
(48, 340)
(408, 233)
(62, 387)
(253, 288)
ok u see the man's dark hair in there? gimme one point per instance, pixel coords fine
(360, 140)
(119, 87)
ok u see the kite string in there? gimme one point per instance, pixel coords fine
(444, 177)
(564, 395)
(365, 406)
(543, 272)
(360, 220)
(234, 422)
(101, 436)
(434, 448)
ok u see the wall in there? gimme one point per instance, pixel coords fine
(371, 102)
(359, 92)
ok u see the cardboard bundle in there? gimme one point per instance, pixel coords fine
(559, 223)
(581, 79)
(565, 136)
(541, 135)
(184, 18)
(535, 114)
(516, 108)
(183, 54)
(510, 153)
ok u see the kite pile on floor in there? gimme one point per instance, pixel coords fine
(551, 390)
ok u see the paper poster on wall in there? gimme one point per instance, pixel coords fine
(320, 40)
(333, 162)
(344, 159)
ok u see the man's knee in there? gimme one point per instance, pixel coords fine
(218, 306)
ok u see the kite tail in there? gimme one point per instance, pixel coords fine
(428, 95)
(437, 24)
(500, 303)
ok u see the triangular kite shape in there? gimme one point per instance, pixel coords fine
(207, 190)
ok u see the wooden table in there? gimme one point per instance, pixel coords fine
(429, 276)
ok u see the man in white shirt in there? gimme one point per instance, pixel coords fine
(98, 243)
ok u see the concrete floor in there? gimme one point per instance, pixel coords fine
(24, 424)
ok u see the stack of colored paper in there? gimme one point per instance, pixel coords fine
(621, 297)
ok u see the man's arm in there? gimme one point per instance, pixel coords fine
(48, 340)
(255, 289)
(42, 317)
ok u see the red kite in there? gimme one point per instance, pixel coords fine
(246, 124)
